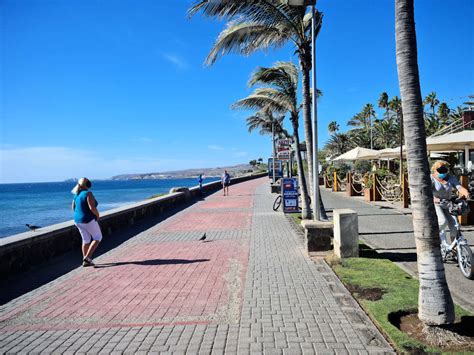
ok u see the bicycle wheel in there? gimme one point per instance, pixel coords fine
(465, 260)
(277, 203)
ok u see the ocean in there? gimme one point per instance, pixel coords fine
(43, 204)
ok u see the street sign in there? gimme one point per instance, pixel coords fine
(278, 168)
(284, 142)
(289, 190)
(284, 155)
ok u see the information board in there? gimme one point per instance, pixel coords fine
(289, 190)
(278, 168)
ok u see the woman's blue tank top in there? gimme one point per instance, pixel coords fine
(82, 212)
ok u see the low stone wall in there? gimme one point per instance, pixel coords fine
(22, 251)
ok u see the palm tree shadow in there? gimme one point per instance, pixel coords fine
(367, 252)
(152, 262)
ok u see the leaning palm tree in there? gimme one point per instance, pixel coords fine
(435, 305)
(280, 95)
(261, 24)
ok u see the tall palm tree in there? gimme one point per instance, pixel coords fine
(395, 105)
(280, 95)
(431, 100)
(261, 24)
(333, 127)
(435, 305)
(383, 103)
(369, 113)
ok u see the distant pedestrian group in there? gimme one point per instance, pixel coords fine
(86, 217)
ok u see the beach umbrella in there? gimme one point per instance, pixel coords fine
(358, 153)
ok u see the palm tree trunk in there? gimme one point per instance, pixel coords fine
(305, 68)
(305, 210)
(435, 305)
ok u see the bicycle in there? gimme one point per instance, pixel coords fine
(278, 199)
(459, 250)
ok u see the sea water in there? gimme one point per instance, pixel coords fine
(43, 204)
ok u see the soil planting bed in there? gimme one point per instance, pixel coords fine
(370, 294)
(457, 337)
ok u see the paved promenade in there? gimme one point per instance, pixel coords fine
(388, 229)
(249, 288)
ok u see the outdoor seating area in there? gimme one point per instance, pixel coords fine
(375, 174)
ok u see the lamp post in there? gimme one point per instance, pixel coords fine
(314, 107)
(273, 149)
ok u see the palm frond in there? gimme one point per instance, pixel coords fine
(246, 38)
(267, 12)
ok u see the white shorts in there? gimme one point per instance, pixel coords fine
(89, 231)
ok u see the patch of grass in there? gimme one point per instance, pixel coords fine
(296, 217)
(400, 294)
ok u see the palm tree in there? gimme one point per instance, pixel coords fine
(338, 144)
(280, 96)
(443, 114)
(386, 133)
(363, 123)
(432, 101)
(267, 123)
(383, 103)
(435, 305)
(369, 113)
(395, 105)
(261, 24)
(333, 127)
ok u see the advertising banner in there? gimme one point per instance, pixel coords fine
(289, 190)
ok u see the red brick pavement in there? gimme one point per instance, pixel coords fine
(188, 282)
(149, 284)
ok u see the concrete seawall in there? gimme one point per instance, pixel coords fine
(22, 251)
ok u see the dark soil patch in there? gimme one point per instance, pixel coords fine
(457, 337)
(370, 294)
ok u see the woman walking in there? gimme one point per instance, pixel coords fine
(86, 216)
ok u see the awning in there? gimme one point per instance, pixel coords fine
(451, 142)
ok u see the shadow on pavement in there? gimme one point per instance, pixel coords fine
(367, 252)
(151, 262)
(375, 233)
(24, 282)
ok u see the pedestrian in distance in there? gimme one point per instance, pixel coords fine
(200, 183)
(86, 217)
(225, 182)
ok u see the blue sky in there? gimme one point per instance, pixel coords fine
(104, 87)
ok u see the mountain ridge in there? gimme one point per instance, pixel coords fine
(234, 170)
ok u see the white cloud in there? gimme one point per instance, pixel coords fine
(179, 62)
(215, 147)
(37, 164)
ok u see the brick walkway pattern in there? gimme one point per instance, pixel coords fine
(249, 288)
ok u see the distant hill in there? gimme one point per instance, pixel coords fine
(236, 170)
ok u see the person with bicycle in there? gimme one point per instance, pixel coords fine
(443, 184)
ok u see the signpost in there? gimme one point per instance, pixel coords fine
(289, 190)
